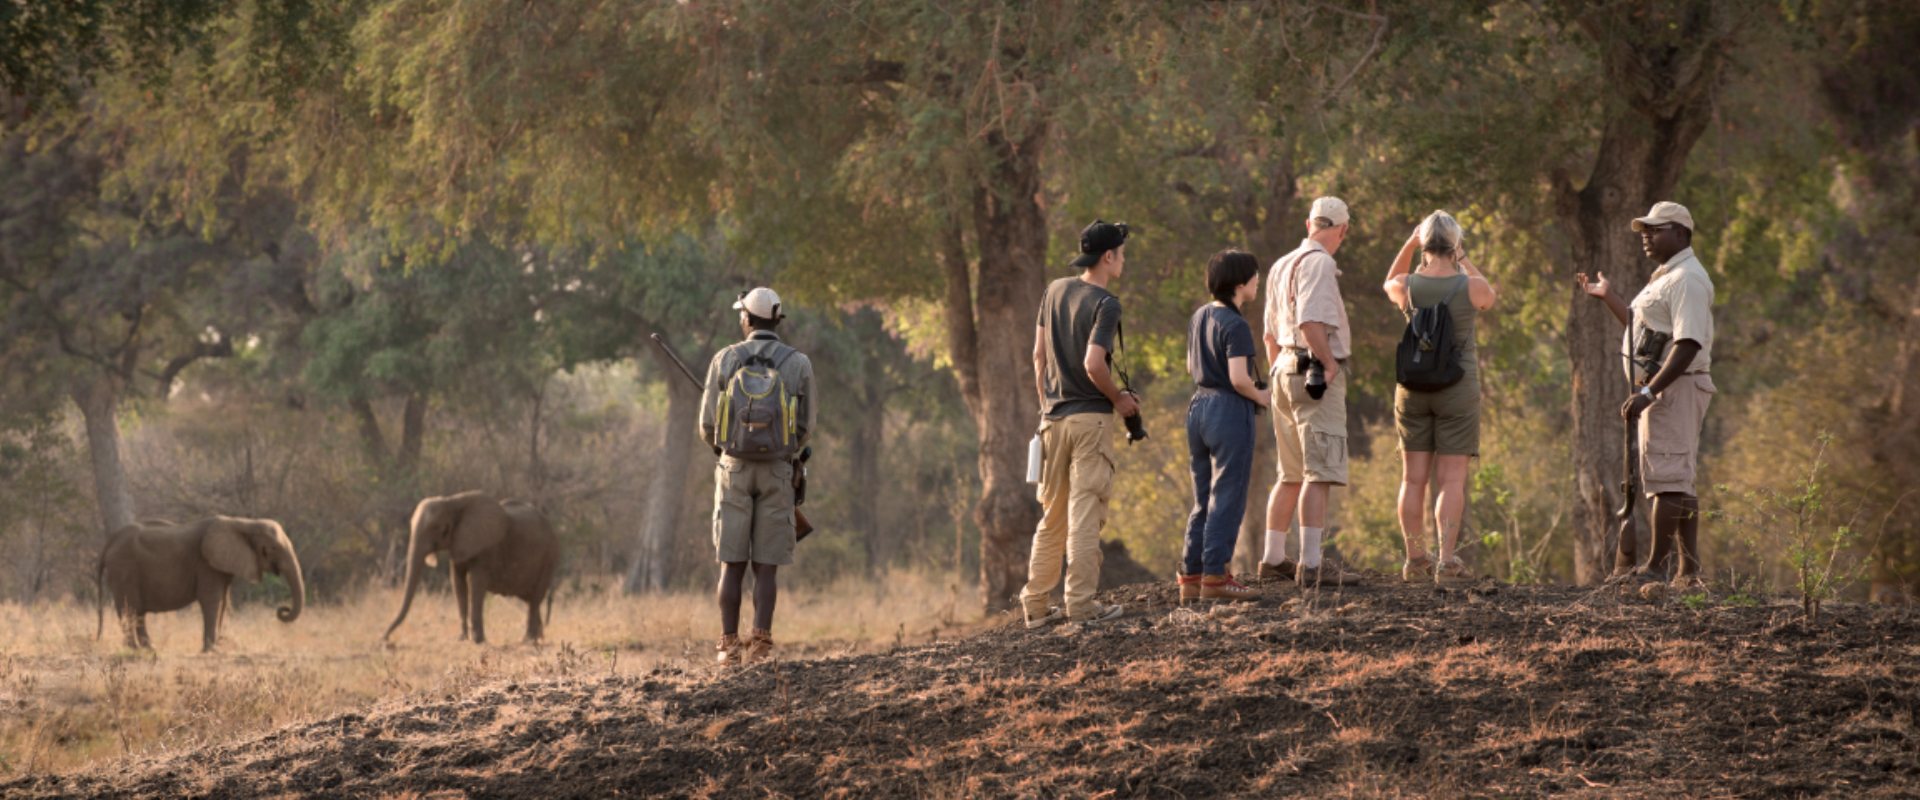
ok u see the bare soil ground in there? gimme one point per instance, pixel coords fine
(1377, 690)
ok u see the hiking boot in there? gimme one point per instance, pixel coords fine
(1224, 587)
(1189, 587)
(1452, 573)
(1054, 614)
(1689, 583)
(759, 647)
(1099, 613)
(728, 653)
(1326, 574)
(1282, 571)
(1418, 569)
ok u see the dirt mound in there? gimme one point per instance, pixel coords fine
(1379, 690)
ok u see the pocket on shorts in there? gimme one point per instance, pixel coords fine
(1668, 464)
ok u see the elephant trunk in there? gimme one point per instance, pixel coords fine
(416, 570)
(289, 568)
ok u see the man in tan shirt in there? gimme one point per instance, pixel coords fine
(1666, 352)
(1306, 322)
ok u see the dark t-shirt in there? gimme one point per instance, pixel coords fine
(1215, 335)
(1073, 315)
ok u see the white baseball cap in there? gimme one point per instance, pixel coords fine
(1332, 208)
(761, 302)
(1664, 213)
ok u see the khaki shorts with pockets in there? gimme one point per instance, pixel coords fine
(1670, 435)
(753, 511)
(1312, 433)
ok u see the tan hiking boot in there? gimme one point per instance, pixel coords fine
(1282, 571)
(1224, 587)
(1452, 573)
(1327, 574)
(1418, 569)
(728, 653)
(759, 647)
(1054, 614)
(1189, 587)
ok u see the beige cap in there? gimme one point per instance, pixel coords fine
(761, 302)
(1665, 214)
(1333, 208)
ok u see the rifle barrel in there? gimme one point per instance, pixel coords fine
(668, 349)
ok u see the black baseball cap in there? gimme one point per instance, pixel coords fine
(1097, 239)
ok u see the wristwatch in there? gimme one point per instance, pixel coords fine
(1648, 392)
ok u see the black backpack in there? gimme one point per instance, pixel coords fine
(1428, 360)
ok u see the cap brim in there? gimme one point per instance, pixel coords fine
(1641, 223)
(1088, 259)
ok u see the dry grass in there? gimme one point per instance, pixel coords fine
(67, 700)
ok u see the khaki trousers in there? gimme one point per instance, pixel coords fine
(1076, 481)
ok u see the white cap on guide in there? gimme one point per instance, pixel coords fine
(1665, 214)
(761, 302)
(1332, 208)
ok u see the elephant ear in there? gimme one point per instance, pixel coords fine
(226, 547)
(482, 526)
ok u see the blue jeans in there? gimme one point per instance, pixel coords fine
(1220, 442)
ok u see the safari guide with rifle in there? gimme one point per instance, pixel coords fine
(1079, 400)
(757, 412)
(1666, 352)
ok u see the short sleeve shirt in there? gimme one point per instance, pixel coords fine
(1073, 315)
(1307, 292)
(1214, 336)
(1678, 301)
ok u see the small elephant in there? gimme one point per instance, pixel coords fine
(506, 548)
(155, 566)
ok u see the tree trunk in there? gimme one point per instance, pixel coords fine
(1661, 106)
(99, 402)
(864, 445)
(413, 431)
(652, 566)
(373, 443)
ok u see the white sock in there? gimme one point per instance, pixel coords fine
(1309, 547)
(1276, 547)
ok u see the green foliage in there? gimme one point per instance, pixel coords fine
(1799, 525)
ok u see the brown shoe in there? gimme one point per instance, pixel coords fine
(759, 647)
(1282, 571)
(1324, 575)
(1189, 587)
(1452, 573)
(728, 653)
(1418, 569)
(1223, 587)
(1688, 583)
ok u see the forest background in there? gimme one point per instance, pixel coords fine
(314, 260)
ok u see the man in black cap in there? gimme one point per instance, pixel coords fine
(1080, 408)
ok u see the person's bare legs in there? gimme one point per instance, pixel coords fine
(731, 575)
(765, 592)
(1451, 503)
(1313, 505)
(1414, 476)
(1280, 505)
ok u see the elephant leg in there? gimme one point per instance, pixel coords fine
(477, 598)
(140, 630)
(213, 596)
(460, 591)
(124, 614)
(534, 631)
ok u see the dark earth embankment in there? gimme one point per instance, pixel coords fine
(1379, 690)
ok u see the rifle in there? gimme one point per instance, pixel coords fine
(1626, 558)
(801, 527)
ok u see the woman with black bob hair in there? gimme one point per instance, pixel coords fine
(1220, 356)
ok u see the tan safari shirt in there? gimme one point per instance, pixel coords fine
(796, 372)
(1678, 301)
(1309, 292)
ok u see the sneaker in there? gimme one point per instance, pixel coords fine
(1418, 569)
(1282, 571)
(1101, 614)
(759, 647)
(1452, 573)
(1324, 575)
(1189, 587)
(1054, 614)
(728, 653)
(1224, 587)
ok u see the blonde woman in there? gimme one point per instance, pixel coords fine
(1439, 430)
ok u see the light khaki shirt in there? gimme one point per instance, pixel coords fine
(1307, 292)
(796, 372)
(1678, 301)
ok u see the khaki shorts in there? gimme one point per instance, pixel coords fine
(1312, 433)
(1446, 422)
(1670, 435)
(753, 511)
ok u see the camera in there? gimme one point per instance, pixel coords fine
(1136, 429)
(1316, 379)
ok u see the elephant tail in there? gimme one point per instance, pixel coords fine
(100, 596)
(549, 620)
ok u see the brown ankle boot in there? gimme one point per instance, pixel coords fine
(728, 653)
(759, 646)
(1282, 571)
(1189, 587)
(1223, 587)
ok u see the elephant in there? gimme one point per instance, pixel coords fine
(503, 547)
(155, 565)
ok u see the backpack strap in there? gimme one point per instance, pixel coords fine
(1450, 292)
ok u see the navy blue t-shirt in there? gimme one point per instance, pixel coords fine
(1215, 335)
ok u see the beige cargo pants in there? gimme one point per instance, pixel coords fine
(1076, 481)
